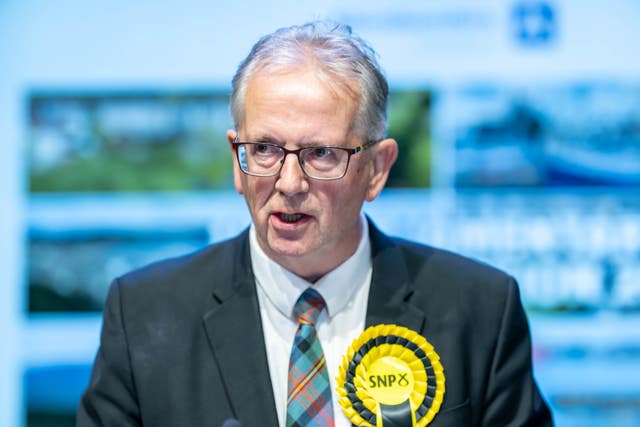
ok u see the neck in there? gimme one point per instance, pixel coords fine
(311, 269)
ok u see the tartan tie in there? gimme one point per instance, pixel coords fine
(309, 395)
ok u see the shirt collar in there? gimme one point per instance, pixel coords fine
(282, 287)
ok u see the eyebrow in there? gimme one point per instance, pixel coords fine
(266, 138)
(271, 140)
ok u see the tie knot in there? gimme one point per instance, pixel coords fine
(309, 306)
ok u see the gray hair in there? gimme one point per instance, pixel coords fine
(340, 54)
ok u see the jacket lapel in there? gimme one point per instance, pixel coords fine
(234, 329)
(391, 288)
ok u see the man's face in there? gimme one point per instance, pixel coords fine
(306, 225)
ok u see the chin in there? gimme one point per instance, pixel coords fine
(291, 250)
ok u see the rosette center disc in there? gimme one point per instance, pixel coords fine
(390, 380)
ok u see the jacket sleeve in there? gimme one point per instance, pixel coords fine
(512, 397)
(110, 398)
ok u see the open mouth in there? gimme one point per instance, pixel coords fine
(290, 218)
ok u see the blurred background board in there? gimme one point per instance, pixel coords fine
(519, 128)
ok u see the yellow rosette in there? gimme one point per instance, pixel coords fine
(390, 374)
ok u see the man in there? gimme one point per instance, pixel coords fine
(209, 337)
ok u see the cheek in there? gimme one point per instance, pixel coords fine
(257, 192)
(360, 183)
(341, 201)
(361, 172)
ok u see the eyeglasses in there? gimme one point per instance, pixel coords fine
(320, 162)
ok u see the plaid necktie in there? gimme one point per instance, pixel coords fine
(309, 396)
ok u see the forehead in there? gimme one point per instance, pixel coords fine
(298, 104)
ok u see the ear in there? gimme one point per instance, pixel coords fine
(237, 173)
(384, 156)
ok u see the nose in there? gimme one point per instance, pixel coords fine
(292, 179)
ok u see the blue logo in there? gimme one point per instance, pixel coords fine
(535, 23)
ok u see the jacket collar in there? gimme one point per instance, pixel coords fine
(391, 287)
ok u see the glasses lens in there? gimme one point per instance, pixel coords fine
(259, 159)
(324, 162)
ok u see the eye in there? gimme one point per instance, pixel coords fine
(321, 152)
(262, 148)
(265, 149)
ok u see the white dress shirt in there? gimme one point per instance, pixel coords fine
(345, 291)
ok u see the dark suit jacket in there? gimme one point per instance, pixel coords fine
(182, 341)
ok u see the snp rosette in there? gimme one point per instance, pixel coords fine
(390, 376)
